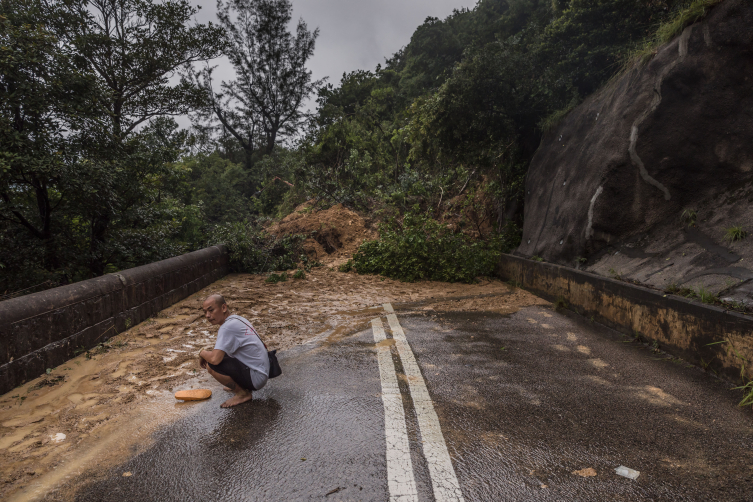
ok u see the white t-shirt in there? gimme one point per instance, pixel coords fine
(238, 338)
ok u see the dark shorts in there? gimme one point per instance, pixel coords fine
(239, 372)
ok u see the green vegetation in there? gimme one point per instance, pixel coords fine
(689, 216)
(706, 296)
(346, 267)
(747, 386)
(275, 278)
(299, 274)
(682, 15)
(747, 394)
(253, 250)
(734, 234)
(554, 119)
(560, 303)
(264, 103)
(702, 294)
(420, 248)
(693, 12)
(674, 289)
(96, 176)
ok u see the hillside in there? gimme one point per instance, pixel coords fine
(650, 180)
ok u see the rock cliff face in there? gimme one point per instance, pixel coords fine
(669, 136)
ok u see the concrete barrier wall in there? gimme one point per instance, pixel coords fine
(681, 327)
(44, 329)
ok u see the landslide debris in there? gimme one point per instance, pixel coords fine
(95, 410)
(334, 234)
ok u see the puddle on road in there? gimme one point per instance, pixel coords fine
(387, 342)
(345, 330)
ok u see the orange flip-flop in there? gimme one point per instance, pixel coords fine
(193, 394)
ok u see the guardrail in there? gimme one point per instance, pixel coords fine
(681, 327)
(42, 330)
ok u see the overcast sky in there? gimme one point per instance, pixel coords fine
(353, 34)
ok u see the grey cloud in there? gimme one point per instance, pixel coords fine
(354, 34)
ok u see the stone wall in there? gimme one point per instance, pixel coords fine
(681, 327)
(42, 330)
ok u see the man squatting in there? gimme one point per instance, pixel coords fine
(239, 360)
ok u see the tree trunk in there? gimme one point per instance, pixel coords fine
(96, 246)
(249, 162)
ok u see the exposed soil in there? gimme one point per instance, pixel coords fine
(474, 213)
(101, 407)
(334, 233)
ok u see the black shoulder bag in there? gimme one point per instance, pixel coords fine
(274, 365)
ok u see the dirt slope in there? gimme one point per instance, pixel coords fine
(335, 233)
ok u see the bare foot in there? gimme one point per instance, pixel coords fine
(240, 397)
(227, 389)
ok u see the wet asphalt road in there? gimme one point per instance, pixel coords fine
(523, 401)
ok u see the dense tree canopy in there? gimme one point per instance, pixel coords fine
(86, 147)
(135, 47)
(46, 126)
(96, 176)
(468, 97)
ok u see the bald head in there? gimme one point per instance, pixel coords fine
(217, 299)
(215, 309)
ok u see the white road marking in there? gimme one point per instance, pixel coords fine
(443, 480)
(400, 480)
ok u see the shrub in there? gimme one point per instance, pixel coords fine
(255, 251)
(346, 267)
(693, 12)
(733, 234)
(275, 278)
(299, 274)
(689, 216)
(706, 296)
(419, 247)
(560, 303)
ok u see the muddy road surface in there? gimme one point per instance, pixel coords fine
(480, 394)
(101, 407)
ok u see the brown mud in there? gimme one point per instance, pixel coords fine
(334, 234)
(101, 407)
